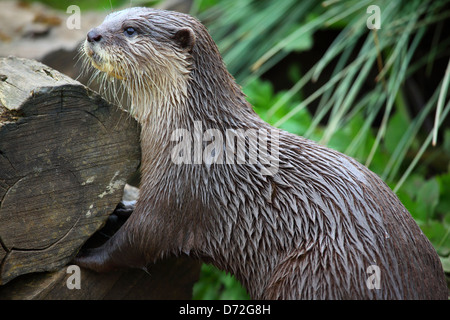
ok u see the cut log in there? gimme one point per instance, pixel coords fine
(65, 156)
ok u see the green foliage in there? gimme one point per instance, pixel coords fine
(428, 202)
(245, 30)
(262, 97)
(216, 285)
(446, 264)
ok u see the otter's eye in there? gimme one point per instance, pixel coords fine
(130, 31)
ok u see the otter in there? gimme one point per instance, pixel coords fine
(303, 222)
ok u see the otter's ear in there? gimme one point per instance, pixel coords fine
(185, 37)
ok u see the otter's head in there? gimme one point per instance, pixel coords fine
(149, 50)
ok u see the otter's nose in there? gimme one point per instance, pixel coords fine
(94, 36)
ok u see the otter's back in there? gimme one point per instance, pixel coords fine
(365, 244)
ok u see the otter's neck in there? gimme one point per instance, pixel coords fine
(208, 94)
(195, 87)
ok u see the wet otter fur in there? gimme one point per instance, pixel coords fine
(314, 229)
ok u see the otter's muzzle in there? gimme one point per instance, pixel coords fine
(94, 36)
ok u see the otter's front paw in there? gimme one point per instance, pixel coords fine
(117, 218)
(93, 259)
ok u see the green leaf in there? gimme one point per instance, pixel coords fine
(294, 72)
(428, 198)
(446, 144)
(445, 264)
(412, 185)
(407, 201)
(300, 43)
(260, 95)
(217, 285)
(344, 136)
(397, 126)
(438, 234)
(298, 124)
(444, 197)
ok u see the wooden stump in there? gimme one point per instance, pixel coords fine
(65, 156)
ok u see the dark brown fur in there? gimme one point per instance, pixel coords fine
(310, 231)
